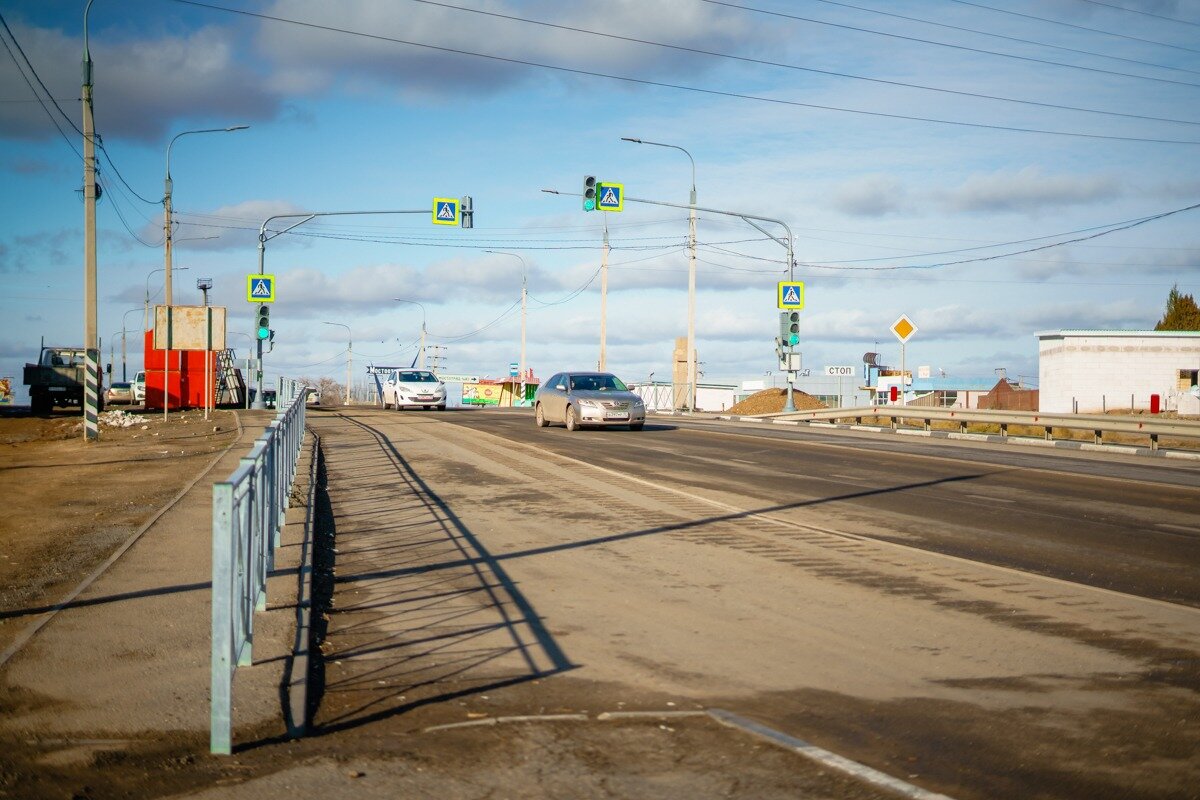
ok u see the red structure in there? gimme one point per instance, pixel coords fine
(183, 377)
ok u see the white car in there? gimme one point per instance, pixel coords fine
(407, 388)
(139, 387)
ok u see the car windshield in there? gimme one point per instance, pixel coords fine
(597, 383)
(415, 376)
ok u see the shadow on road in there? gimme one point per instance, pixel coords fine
(410, 608)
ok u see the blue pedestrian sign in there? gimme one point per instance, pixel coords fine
(260, 288)
(610, 197)
(791, 294)
(445, 211)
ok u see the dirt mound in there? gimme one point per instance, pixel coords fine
(771, 401)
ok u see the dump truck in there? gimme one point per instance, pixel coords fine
(57, 379)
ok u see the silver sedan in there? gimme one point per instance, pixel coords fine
(588, 398)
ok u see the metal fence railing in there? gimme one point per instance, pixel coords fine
(247, 522)
(1097, 424)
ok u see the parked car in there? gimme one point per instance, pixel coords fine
(139, 387)
(119, 393)
(587, 398)
(414, 387)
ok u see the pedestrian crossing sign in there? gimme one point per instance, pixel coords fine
(791, 294)
(260, 288)
(445, 211)
(610, 197)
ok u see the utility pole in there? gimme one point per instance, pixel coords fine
(91, 383)
(603, 364)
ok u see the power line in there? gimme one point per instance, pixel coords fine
(695, 89)
(1073, 26)
(1121, 227)
(1143, 13)
(937, 44)
(796, 67)
(97, 139)
(1016, 39)
(28, 66)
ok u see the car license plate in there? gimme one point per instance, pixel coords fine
(616, 415)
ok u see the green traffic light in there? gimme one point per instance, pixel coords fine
(263, 333)
(589, 204)
(794, 339)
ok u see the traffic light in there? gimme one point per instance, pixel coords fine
(589, 192)
(792, 334)
(264, 321)
(780, 349)
(894, 393)
(466, 213)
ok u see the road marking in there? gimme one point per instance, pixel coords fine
(822, 756)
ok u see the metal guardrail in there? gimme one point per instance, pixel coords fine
(1098, 424)
(247, 521)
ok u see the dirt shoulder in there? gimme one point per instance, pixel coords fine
(69, 504)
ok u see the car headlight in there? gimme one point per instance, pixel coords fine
(590, 404)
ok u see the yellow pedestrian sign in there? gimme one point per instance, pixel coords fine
(790, 294)
(260, 288)
(610, 197)
(445, 211)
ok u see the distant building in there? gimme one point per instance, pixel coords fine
(1088, 371)
(1009, 395)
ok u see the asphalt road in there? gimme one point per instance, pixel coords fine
(1126, 523)
(980, 621)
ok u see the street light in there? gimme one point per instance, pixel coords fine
(418, 305)
(349, 355)
(167, 200)
(524, 270)
(691, 332)
(124, 327)
(146, 306)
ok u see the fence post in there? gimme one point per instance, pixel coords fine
(221, 704)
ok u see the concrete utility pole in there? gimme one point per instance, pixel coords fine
(91, 382)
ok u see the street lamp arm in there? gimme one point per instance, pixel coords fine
(673, 147)
(205, 130)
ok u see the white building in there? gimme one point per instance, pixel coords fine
(1094, 371)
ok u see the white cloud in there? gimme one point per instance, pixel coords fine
(142, 87)
(1027, 190)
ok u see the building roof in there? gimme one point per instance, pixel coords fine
(1138, 334)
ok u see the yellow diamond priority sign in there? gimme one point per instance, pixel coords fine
(903, 328)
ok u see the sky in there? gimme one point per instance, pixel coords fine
(990, 170)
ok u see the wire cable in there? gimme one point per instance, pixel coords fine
(697, 89)
(1073, 26)
(917, 40)
(1016, 39)
(1121, 227)
(762, 62)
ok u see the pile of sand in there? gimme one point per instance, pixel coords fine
(771, 401)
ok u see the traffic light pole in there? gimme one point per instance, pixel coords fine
(748, 218)
(466, 211)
